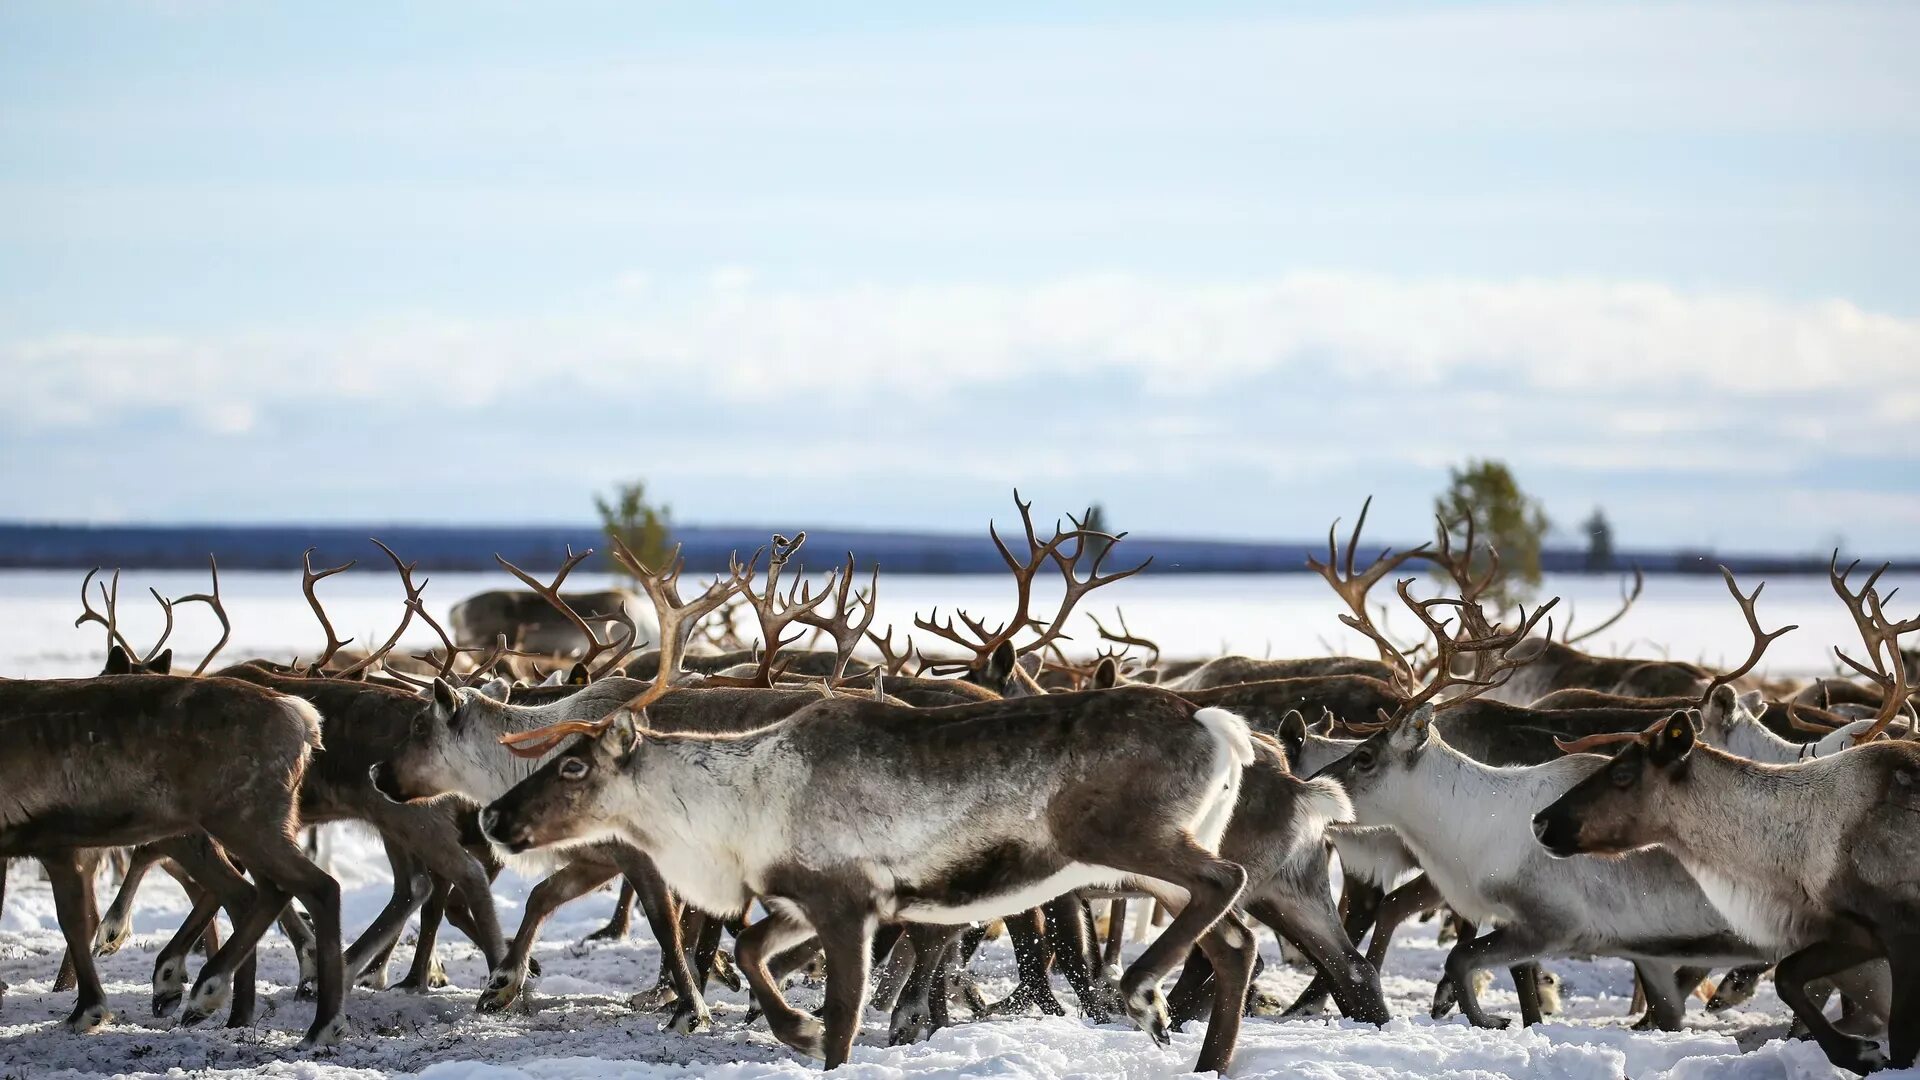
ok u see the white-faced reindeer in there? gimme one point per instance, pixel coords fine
(1813, 859)
(455, 750)
(854, 811)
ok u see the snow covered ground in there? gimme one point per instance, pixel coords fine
(578, 1025)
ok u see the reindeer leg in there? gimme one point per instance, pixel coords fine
(663, 917)
(279, 869)
(1526, 986)
(215, 883)
(366, 959)
(621, 923)
(1111, 955)
(571, 881)
(1211, 883)
(425, 972)
(913, 1014)
(1070, 936)
(170, 967)
(845, 925)
(1230, 948)
(1817, 961)
(72, 899)
(1032, 959)
(1312, 924)
(779, 931)
(1903, 1017)
(117, 925)
(1504, 946)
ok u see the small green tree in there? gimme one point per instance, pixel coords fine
(1599, 542)
(647, 530)
(1486, 493)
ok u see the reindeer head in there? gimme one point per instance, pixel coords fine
(1380, 773)
(1731, 721)
(1627, 803)
(572, 799)
(452, 746)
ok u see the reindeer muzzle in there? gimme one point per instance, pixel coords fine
(1557, 832)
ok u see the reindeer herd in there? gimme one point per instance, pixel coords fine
(877, 808)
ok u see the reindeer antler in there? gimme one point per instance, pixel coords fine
(892, 661)
(110, 619)
(983, 642)
(212, 600)
(1609, 738)
(1761, 638)
(840, 626)
(614, 649)
(677, 619)
(1882, 639)
(1353, 587)
(1125, 637)
(1627, 598)
(309, 577)
(411, 604)
(775, 615)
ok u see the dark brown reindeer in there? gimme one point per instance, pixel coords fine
(184, 757)
(1814, 859)
(1036, 797)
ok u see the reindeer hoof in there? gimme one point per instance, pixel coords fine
(87, 1020)
(169, 986)
(909, 1026)
(609, 932)
(321, 1036)
(653, 1000)
(690, 1019)
(113, 934)
(1148, 1010)
(374, 978)
(502, 990)
(305, 991)
(209, 997)
(724, 970)
(807, 1035)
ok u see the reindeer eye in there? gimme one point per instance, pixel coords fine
(1363, 759)
(573, 769)
(1623, 775)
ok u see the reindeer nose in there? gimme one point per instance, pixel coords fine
(1540, 827)
(490, 824)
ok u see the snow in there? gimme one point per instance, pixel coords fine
(576, 1023)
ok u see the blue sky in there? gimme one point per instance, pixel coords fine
(1226, 268)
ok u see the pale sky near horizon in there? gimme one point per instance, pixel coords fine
(1224, 267)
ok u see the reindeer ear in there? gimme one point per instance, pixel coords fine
(162, 664)
(446, 703)
(1106, 675)
(1673, 742)
(1412, 729)
(1293, 727)
(579, 675)
(496, 688)
(1324, 725)
(118, 662)
(623, 735)
(1753, 702)
(1000, 666)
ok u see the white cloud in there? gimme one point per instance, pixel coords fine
(1664, 360)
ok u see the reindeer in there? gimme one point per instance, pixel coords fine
(455, 751)
(122, 760)
(940, 816)
(1812, 859)
(526, 620)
